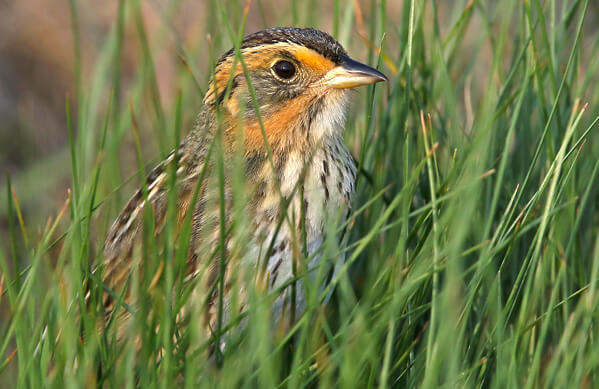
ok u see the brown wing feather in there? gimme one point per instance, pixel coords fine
(125, 231)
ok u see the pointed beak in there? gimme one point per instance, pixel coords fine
(350, 74)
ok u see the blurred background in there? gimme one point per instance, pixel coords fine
(70, 68)
(45, 57)
(41, 63)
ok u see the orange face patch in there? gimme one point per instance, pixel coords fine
(276, 126)
(264, 57)
(311, 60)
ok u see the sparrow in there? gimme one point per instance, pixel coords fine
(280, 109)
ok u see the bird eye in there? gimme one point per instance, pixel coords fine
(284, 69)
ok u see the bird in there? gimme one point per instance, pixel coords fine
(278, 103)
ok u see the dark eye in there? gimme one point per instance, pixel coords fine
(284, 69)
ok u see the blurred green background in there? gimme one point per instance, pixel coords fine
(37, 70)
(474, 267)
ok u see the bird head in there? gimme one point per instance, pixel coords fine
(299, 81)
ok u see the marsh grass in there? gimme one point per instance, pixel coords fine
(472, 249)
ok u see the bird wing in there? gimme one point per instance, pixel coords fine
(125, 232)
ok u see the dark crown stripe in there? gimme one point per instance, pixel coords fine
(316, 40)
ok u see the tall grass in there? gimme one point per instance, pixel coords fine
(472, 248)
